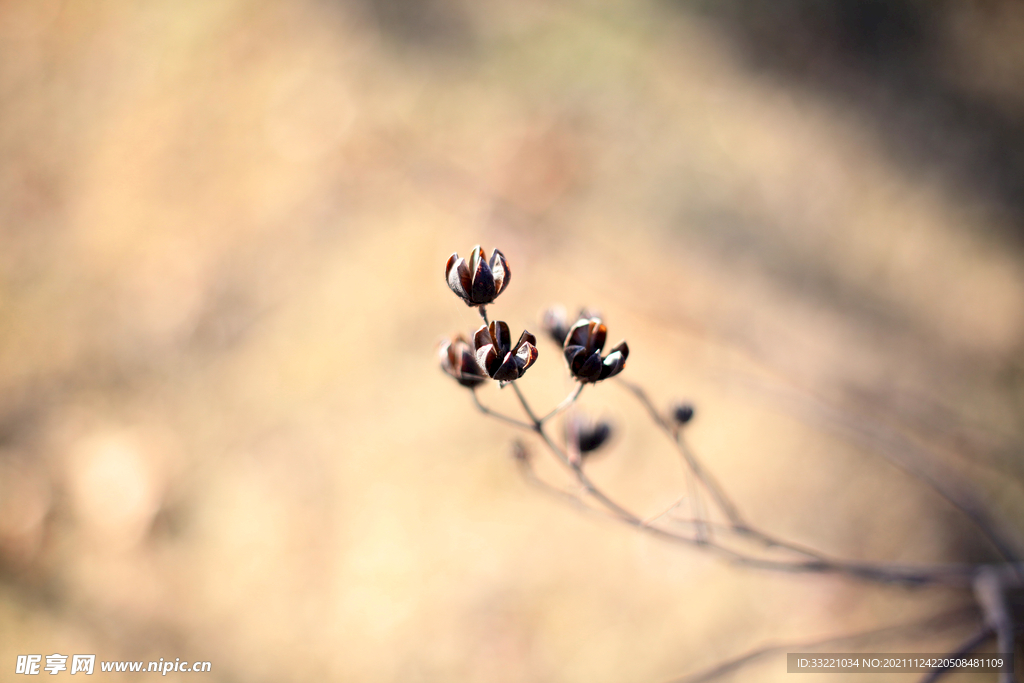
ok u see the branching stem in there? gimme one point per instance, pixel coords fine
(812, 561)
(493, 413)
(569, 400)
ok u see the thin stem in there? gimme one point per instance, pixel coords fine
(575, 468)
(815, 565)
(721, 499)
(990, 591)
(907, 455)
(568, 401)
(725, 529)
(696, 506)
(958, 496)
(483, 314)
(989, 581)
(710, 483)
(953, 575)
(504, 418)
(531, 476)
(724, 504)
(526, 407)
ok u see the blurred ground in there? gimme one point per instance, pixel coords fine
(223, 432)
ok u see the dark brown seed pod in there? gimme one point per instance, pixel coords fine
(477, 281)
(590, 435)
(583, 345)
(458, 359)
(498, 357)
(682, 413)
(556, 323)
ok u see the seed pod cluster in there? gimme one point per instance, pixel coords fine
(491, 353)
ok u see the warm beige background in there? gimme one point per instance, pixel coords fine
(223, 432)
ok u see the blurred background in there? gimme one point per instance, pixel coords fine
(224, 435)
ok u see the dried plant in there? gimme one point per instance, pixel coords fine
(737, 540)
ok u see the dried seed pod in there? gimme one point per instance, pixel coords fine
(520, 453)
(556, 322)
(583, 345)
(458, 359)
(589, 434)
(498, 357)
(594, 437)
(682, 413)
(477, 281)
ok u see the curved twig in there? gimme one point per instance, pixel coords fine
(569, 400)
(906, 455)
(961, 575)
(727, 507)
(495, 414)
